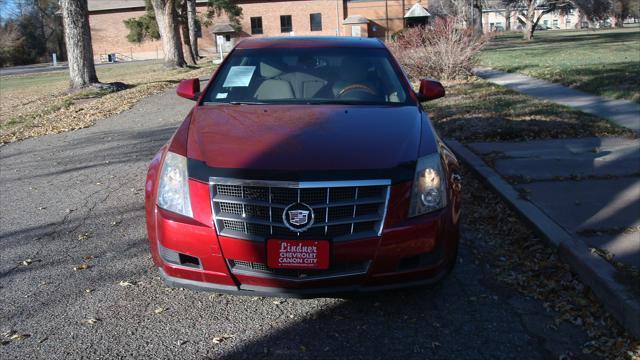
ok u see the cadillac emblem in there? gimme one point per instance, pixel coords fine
(298, 217)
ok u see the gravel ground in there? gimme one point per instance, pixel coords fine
(77, 198)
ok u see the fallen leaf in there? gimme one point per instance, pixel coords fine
(92, 321)
(81, 267)
(27, 262)
(219, 339)
(88, 290)
(84, 236)
(8, 333)
(19, 337)
(159, 310)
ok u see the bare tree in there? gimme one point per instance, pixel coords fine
(191, 19)
(620, 10)
(167, 18)
(188, 51)
(508, 14)
(75, 17)
(530, 19)
(531, 11)
(476, 16)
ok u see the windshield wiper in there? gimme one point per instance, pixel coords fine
(342, 102)
(234, 103)
(246, 103)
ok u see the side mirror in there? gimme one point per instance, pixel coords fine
(430, 90)
(189, 89)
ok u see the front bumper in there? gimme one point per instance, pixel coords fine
(251, 290)
(410, 252)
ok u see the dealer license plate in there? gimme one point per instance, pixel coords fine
(298, 254)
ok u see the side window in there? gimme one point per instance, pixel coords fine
(256, 25)
(285, 24)
(316, 21)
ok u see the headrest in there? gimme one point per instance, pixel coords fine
(270, 68)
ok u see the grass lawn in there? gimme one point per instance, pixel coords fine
(602, 62)
(38, 104)
(480, 111)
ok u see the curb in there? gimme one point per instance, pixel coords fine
(593, 270)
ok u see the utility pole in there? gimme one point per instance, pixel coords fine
(386, 15)
(337, 17)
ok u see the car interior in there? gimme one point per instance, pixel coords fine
(308, 79)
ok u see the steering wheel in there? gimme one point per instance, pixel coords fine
(357, 87)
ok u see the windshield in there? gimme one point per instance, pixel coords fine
(308, 76)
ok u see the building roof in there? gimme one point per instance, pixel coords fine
(309, 42)
(222, 29)
(417, 10)
(107, 5)
(355, 19)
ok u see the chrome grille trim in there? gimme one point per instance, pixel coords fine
(262, 203)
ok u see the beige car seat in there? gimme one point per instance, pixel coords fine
(273, 88)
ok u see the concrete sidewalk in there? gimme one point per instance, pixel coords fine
(583, 196)
(622, 112)
(589, 186)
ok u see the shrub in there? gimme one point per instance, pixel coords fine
(442, 51)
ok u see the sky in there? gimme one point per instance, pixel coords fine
(7, 8)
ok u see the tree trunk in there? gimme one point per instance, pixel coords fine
(507, 20)
(618, 22)
(529, 20)
(75, 17)
(477, 17)
(193, 37)
(167, 19)
(188, 54)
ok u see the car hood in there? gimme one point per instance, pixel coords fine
(306, 137)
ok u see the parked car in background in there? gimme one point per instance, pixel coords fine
(306, 167)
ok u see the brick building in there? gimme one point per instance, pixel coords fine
(366, 18)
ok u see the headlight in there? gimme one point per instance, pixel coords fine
(173, 192)
(429, 191)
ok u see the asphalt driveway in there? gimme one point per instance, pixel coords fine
(77, 198)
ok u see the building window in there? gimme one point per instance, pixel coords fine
(316, 21)
(256, 25)
(285, 24)
(555, 22)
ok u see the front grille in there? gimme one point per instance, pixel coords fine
(336, 270)
(253, 210)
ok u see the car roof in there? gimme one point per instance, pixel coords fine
(309, 42)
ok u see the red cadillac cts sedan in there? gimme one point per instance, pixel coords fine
(307, 167)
